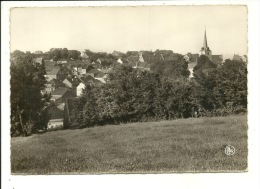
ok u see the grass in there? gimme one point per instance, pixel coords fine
(185, 145)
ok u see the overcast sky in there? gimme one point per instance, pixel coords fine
(177, 28)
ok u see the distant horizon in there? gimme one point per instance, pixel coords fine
(105, 29)
(225, 56)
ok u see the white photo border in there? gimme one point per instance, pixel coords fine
(248, 179)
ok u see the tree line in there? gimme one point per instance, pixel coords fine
(131, 95)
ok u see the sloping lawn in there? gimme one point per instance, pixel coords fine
(185, 145)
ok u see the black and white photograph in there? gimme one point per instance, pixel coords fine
(111, 90)
(128, 89)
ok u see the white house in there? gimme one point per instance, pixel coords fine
(119, 61)
(80, 88)
(55, 124)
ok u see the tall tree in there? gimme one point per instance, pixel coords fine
(28, 105)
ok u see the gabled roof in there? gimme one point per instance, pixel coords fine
(217, 58)
(100, 74)
(54, 71)
(51, 81)
(60, 91)
(73, 81)
(104, 70)
(55, 82)
(95, 71)
(148, 66)
(89, 79)
(87, 66)
(141, 64)
(49, 65)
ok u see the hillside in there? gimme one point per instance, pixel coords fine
(185, 145)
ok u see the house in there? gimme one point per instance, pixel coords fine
(55, 124)
(117, 54)
(53, 74)
(119, 61)
(59, 95)
(217, 59)
(62, 61)
(186, 58)
(39, 60)
(56, 120)
(141, 59)
(85, 68)
(84, 55)
(104, 70)
(49, 87)
(142, 66)
(92, 72)
(87, 79)
(101, 77)
(49, 65)
(237, 57)
(147, 67)
(74, 70)
(71, 82)
(79, 88)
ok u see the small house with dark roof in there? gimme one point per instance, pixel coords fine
(85, 68)
(59, 95)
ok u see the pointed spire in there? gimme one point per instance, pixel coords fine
(205, 44)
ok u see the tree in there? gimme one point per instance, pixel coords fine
(28, 105)
(174, 66)
(17, 53)
(222, 90)
(73, 54)
(64, 53)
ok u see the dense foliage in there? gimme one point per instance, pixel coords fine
(63, 53)
(29, 108)
(131, 95)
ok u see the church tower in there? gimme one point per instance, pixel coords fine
(205, 49)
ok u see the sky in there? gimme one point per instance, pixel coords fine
(105, 29)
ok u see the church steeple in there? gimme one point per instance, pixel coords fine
(205, 49)
(205, 44)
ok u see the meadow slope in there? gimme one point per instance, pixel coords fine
(184, 145)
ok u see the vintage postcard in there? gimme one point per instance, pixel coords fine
(152, 89)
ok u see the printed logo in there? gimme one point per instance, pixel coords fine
(230, 150)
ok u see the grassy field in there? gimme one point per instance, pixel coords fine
(185, 145)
